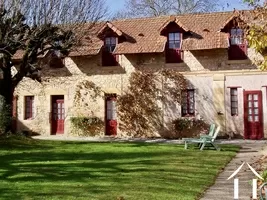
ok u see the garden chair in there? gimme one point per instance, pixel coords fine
(205, 140)
(210, 133)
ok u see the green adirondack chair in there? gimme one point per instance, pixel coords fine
(203, 141)
(210, 133)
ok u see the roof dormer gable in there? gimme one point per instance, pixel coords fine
(233, 22)
(172, 25)
(109, 30)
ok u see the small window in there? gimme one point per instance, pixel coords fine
(108, 58)
(236, 36)
(29, 100)
(174, 40)
(173, 52)
(188, 103)
(234, 101)
(238, 46)
(110, 44)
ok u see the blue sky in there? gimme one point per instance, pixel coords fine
(115, 5)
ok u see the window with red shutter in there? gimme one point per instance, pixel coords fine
(173, 48)
(29, 100)
(188, 102)
(238, 46)
(108, 58)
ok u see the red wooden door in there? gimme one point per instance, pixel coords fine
(111, 114)
(58, 114)
(253, 116)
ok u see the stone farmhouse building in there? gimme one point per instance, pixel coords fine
(209, 49)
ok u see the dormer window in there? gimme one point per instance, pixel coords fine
(236, 36)
(174, 40)
(173, 50)
(238, 46)
(108, 58)
(110, 43)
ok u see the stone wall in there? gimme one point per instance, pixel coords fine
(208, 71)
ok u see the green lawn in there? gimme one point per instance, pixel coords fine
(106, 171)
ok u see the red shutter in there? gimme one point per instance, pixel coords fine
(237, 52)
(174, 55)
(109, 59)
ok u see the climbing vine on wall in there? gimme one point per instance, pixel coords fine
(140, 108)
(89, 88)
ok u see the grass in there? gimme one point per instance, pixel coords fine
(50, 170)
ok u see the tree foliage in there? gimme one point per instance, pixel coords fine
(256, 26)
(143, 8)
(31, 28)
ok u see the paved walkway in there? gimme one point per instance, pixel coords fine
(223, 189)
(250, 152)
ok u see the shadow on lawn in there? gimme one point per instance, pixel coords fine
(85, 165)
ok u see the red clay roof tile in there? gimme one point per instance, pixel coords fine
(143, 35)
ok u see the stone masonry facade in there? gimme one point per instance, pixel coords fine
(209, 73)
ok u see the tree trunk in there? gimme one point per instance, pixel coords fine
(6, 96)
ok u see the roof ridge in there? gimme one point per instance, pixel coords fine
(176, 15)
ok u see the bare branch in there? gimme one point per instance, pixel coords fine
(143, 8)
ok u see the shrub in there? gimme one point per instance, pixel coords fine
(189, 127)
(89, 126)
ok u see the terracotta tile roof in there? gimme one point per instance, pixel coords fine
(174, 19)
(142, 35)
(112, 27)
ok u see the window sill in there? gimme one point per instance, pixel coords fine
(232, 62)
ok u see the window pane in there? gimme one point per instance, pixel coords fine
(174, 45)
(256, 104)
(234, 91)
(255, 97)
(234, 104)
(249, 97)
(107, 41)
(234, 111)
(171, 36)
(113, 40)
(256, 111)
(191, 93)
(238, 40)
(256, 118)
(176, 36)
(250, 119)
(110, 43)
(28, 109)
(191, 111)
(234, 98)
(232, 40)
(239, 32)
(233, 31)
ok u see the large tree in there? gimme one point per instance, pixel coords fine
(256, 24)
(34, 27)
(143, 8)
